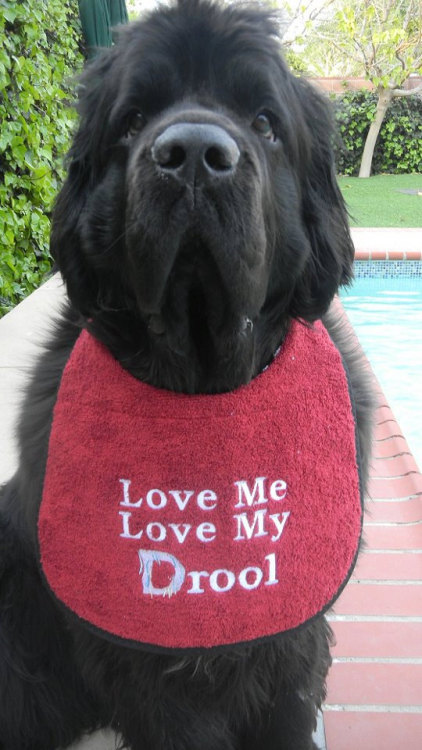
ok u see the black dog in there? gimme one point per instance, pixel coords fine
(200, 217)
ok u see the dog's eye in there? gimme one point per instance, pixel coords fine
(134, 124)
(262, 124)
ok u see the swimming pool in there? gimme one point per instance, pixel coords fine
(384, 306)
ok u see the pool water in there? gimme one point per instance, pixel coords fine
(386, 314)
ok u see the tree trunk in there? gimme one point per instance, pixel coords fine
(384, 99)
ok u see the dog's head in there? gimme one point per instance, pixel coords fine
(201, 210)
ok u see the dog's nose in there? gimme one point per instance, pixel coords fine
(196, 152)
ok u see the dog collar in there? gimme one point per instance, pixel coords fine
(175, 521)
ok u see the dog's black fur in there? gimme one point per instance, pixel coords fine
(189, 268)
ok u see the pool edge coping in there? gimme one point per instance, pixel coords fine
(388, 255)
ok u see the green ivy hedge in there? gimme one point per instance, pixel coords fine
(39, 53)
(399, 146)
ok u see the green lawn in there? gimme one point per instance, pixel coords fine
(378, 202)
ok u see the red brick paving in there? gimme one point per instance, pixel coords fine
(373, 731)
(401, 567)
(382, 600)
(372, 684)
(374, 696)
(363, 640)
(404, 511)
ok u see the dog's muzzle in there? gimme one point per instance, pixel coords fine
(196, 153)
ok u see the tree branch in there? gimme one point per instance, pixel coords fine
(387, 12)
(407, 92)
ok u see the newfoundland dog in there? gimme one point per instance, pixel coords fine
(188, 502)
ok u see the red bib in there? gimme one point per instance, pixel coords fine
(176, 521)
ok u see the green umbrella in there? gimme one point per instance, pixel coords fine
(98, 17)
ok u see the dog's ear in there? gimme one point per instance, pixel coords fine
(323, 211)
(83, 166)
